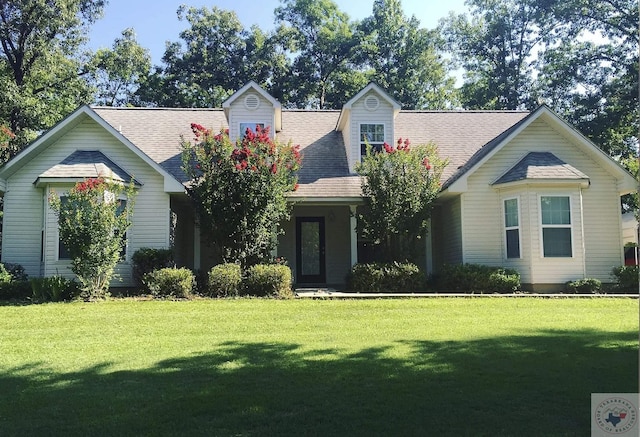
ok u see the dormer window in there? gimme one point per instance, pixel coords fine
(373, 134)
(249, 125)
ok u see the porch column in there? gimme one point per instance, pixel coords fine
(196, 247)
(353, 226)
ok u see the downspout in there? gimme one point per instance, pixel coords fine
(462, 228)
(44, 233)
(531, 257)
(584, 249)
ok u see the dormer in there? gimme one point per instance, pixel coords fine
(369, 115)
(251, 106)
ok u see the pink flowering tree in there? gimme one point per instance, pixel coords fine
(400, 185)
(93, 222)
(239, 190)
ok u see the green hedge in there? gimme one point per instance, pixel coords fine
(626, 279)
(381, 277)
(224, 280)
(584, 286)
(273, 280)
(477, 278)
(146, 260)
(170, 282)
(14, 282)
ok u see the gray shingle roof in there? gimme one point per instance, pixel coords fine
(324, 172)
(88, 164)
(465, 137)
(541, 165)
(157, 131)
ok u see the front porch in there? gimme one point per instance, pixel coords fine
(320, 243)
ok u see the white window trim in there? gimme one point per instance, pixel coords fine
(360, 142)
(57, 258)
(127, 251)
(253, 127)
(570, 226)
(506, 228)
(127, 235)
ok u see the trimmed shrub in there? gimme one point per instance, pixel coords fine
(146, 260)
(15, 290)
(224, 280)
(365, 277)
(53, 289)
(380, 277)
(13, 282)
(273, 280)
(477, 278)
(584, 286)
(170, 282)
(504, 281)
(16, 271)
(626, 279)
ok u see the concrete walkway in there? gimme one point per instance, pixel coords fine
(329, 293)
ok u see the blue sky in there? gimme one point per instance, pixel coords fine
(156, 21)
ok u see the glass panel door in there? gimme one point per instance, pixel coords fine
(310, 260)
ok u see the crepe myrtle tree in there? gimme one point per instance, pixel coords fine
(93, 222)
(399, 184)
(239, 190)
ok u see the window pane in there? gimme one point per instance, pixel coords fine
(511, 212)
(310, 248)
(63, 252)
(557, 242)
(555, 210)
(252, 126)
(373, 133)
(513, 243)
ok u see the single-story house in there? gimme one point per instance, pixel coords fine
(522, 189)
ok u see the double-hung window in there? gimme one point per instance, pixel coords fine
(556, 226)
(250, 125)
(120, 209)
(372, 134)
(63, 252)
(512, 228)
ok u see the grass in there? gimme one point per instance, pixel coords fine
(437, 367)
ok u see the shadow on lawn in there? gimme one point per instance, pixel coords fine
(516, 385)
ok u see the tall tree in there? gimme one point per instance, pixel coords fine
(40, 73)
(323, 40)
(406, 59)
(203, 70)
(116, 72)
(495, 46)
(590, 73)
(216, 57)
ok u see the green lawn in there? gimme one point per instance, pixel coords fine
(481, 366)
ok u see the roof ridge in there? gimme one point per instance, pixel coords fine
(154, 108)
(465, 111)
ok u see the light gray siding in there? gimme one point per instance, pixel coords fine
(239, 113)
(595, 213)
(22, 230)
(361, 115)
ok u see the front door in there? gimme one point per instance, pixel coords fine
(310, 260)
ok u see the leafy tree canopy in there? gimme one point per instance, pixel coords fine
(40, 67)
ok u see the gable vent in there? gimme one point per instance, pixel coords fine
(371, 102)
(251, 102)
